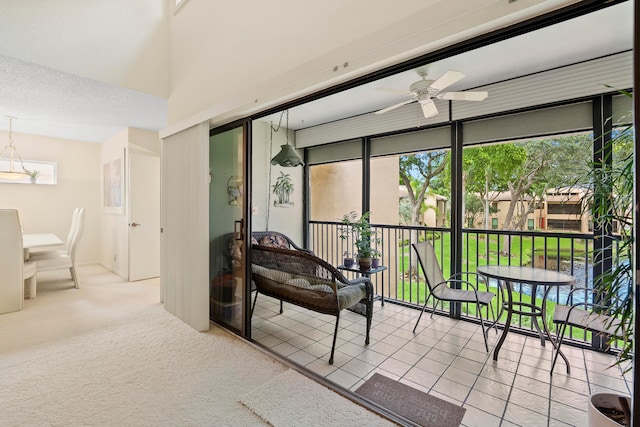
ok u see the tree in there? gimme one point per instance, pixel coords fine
(417, 171)
(487, 170)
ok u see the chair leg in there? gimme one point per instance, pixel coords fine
(422, 312)
(561, 331)
(484, 333)
(253, 306)
(74, 276)
(32, 287)
(335, 336)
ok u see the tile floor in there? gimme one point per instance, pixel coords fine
(445, 358)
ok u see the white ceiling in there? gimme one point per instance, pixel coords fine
(51, 102)
(607, 31)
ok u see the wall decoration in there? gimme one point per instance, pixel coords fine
(283, 189)
(112, 181)
(234, 190)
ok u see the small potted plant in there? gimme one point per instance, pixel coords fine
(33, 175)
(359, 229)
(347, 259)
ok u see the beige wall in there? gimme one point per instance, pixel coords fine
(48, 208)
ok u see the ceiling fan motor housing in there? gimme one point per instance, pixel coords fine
(421, 86)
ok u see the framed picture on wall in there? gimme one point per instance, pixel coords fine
(113, 186)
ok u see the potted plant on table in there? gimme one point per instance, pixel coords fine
(363, 237)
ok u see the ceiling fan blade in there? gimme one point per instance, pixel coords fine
(464, 96)
(447, 79)
(429, 108)
(393, 107)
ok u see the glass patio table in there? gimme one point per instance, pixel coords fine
(508, 274)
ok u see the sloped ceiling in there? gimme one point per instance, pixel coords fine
(84, 70)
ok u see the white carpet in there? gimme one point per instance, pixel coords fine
(145, 368)
(291, 399)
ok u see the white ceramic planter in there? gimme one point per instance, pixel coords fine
(607, 400)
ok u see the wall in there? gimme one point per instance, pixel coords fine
(114, 226)
(48, 208)
(287, 220)
(114, 230)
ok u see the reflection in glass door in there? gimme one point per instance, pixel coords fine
(227, 228)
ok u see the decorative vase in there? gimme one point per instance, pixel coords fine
(375, 262)
(348, 262)
(595, 416)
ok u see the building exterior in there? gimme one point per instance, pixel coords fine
(562, 209)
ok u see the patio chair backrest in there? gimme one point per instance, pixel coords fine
(430, 267)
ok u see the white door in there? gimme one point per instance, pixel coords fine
(144, 216)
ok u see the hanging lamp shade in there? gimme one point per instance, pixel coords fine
(11, 156)
(287, 157)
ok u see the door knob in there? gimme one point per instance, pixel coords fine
(134, 224)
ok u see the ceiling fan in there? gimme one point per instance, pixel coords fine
(425, 90)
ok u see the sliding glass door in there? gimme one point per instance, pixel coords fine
(227, 226)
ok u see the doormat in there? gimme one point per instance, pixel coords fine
(412, 404)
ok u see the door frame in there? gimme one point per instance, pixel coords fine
(245, 124)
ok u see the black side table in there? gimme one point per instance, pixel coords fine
(366, 273)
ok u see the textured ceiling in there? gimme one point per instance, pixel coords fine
(53, 103)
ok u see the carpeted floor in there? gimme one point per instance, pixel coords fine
(109, 354)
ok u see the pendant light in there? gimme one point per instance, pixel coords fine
(11, 155)
(287, 156)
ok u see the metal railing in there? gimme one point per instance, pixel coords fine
(402, 282)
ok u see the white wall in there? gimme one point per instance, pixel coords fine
(114, 230)
(228, 61)
(114, 226)
(48, 208)
(285, 220)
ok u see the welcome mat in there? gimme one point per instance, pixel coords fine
(414, 405)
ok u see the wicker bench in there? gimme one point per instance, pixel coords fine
(305, 280)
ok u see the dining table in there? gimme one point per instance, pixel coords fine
(509, 274)
(40, 242)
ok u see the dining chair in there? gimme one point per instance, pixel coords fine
(46, 261)
(12, 265)
(584, 314)
(440, 289)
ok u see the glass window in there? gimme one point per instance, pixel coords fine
(39, 172)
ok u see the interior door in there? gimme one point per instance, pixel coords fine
(227, 227)
(144, 216)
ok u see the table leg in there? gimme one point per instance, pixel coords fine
(507, 323)
(534, 317)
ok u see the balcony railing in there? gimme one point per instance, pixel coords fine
(403, 283)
